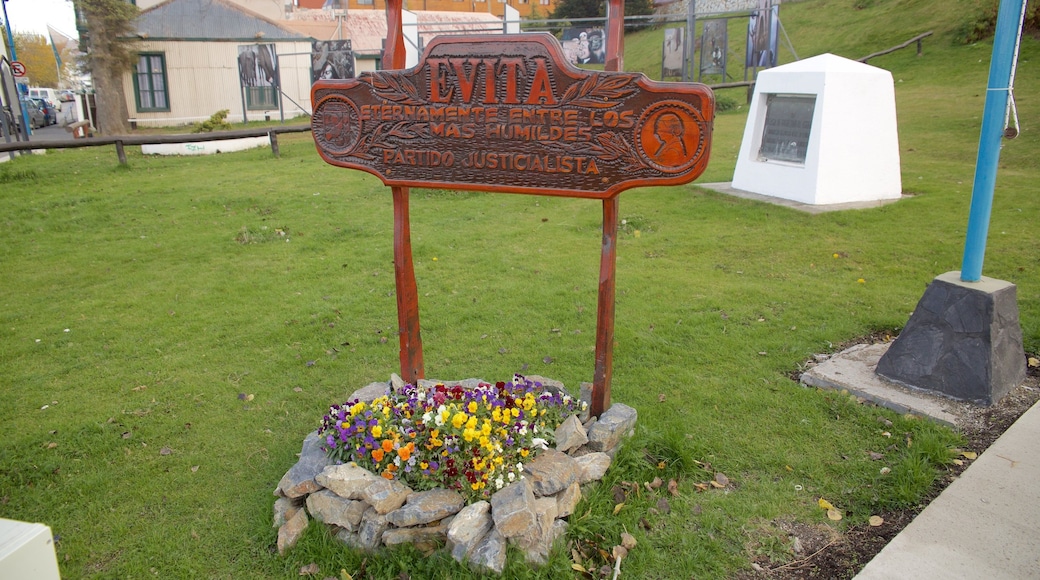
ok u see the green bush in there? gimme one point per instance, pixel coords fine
(723, 104)
(218, 122)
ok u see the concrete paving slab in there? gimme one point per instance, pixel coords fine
(728, 189)
(853, 370)
(986, 524)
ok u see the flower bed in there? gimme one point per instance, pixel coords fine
(467, 464)
(473, 441)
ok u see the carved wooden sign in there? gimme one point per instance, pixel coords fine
(511, 115)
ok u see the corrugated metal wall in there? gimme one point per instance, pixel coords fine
(203, 79)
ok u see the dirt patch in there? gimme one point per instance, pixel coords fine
(846, 554)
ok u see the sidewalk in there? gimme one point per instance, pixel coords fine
(986, 524)
(57, 131)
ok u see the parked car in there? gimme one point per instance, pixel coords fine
(49, 109)
(37, 118)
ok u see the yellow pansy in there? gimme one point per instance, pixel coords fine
(458, 420)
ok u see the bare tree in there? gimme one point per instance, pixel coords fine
(110, 53)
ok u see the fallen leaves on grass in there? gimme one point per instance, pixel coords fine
(832, 513)
(876, 521)
(310, 570)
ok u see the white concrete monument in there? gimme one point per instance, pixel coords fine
(821, 131)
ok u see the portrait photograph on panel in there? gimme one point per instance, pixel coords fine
(759, 52)
(672, 53)
(331, 59)
(583, 45)
(258, 65)
(713, 48)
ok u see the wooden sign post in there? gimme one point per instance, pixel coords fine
(507, 113)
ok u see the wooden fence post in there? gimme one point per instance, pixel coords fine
(273, 136)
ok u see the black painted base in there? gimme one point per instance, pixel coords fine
(963, 341)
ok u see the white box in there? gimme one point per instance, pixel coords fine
(27, 552)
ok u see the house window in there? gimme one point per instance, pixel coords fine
(261, 98)
(150, 83)
(364, 2)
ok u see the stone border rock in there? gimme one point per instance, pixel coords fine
(366, 511)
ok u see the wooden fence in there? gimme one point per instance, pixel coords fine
(121, 141)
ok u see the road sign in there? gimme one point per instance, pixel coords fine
(17, 68)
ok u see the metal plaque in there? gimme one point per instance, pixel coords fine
(787, 128)
(508, 113)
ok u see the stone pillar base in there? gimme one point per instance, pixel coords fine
(963, 341)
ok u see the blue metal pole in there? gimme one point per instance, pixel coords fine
(997, 92)
(14, 57)
(7, 26)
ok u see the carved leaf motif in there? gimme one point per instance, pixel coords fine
(360, 151)
(600, 91)
(394, 87)
(610, 147)
(408, 130)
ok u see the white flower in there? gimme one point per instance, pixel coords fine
(499, 482)
(540, 443)
(427, 416)
(519, 466)
(511, 476)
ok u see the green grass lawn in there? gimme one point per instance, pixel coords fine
(139, 303)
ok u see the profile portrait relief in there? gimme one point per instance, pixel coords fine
(668, 129)
(670, 136)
